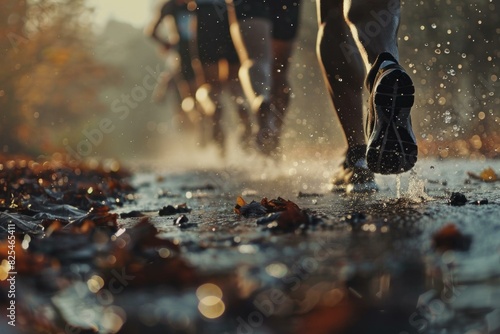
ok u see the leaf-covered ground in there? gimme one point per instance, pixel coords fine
(99, 248)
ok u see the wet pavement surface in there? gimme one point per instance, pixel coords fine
(413, 258)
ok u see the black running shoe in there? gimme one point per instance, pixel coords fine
(392, 147)
(354, 177)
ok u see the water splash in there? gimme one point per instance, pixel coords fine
(416, 189)
(398, 186)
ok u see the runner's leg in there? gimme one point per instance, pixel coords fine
(343, 68)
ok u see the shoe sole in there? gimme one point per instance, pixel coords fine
(392, 148)
(365, 188)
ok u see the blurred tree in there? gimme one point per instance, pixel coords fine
(11, 36)
(53, 79)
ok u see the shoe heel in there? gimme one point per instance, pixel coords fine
(392, 148)
(395, 90)
(396, 157)
(398, 101)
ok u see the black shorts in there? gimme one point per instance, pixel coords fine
(283, 14)
(214, 38)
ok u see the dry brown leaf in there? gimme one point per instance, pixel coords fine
(279, 204)
(240, 201)
(449, 237)
(487, 175)
(264, 206)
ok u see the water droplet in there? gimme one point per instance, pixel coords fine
(447, 117)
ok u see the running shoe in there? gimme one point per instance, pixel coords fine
(354, 176)
(392, 147)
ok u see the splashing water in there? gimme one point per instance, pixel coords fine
(398, 186)
(416, 189)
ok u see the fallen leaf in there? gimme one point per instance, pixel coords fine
(292, 219)
(487, 175)
(240, 201)
(256, 209)
(252, 209)
(279, 204)
(449, 237)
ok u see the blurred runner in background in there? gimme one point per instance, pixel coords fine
(209, 64)
(220, 65)
(264, 33)
(173, 28)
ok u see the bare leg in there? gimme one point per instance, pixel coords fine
(374, 24)
(280, 89)
(391, 145)
(263, 71)
(209, 95)
(343, 68)
(252, 40)
(237, 95)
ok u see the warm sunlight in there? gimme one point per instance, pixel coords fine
(135, 12)
(249, 166)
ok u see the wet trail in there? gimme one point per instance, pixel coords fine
(370, 267)
(416, 257)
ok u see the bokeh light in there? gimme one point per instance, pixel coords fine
(210, 303)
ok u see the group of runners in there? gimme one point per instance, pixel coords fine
(243, 47)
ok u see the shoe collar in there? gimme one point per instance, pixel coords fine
(372, 74)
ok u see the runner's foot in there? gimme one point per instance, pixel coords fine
(270, 124)
(355, 177)
(392, 147)
(245, 129)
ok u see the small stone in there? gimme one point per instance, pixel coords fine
(170, 210)
(181, 220)
(457, 199)
(483, 201)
